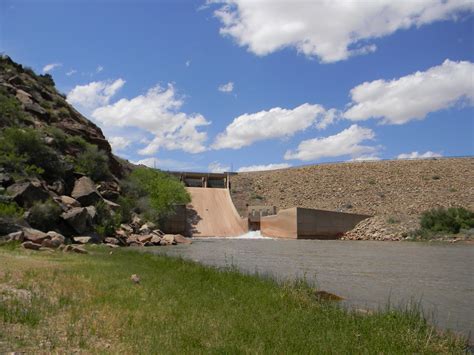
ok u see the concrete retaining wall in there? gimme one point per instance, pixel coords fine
(306, 223)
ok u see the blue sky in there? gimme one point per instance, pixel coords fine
(196, 85)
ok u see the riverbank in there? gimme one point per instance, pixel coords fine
(63, 302)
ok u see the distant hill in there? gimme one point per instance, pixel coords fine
(397, 191)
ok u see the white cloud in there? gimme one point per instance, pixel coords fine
(366, 158)
(188, 63)
(347, 142)
(216, 167)
(71, 72)
(99, 68)
(416, 155)
(119, 143)
(166, 164)
(277, 122)
(331, 30)
(229, 87)
(94, 94)
(157, 112)
(49, 67)
(263, 167)
(413, 96)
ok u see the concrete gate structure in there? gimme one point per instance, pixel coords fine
(212, 213)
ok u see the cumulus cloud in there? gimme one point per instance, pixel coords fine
(416, 155)
(331, 30)
(263, 167)
(216, 167)
(157, 112)
(119, 143)
(229, 87)
(94, 94)
(346, 142)
(277, 122)
(166, 164)
(49, 67)
(413, 96)
(366, 158)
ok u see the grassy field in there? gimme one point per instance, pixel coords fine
(55, 302)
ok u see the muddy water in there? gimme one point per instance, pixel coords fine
(366, 274)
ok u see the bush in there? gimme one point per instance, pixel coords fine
(10, 210)
(107, 221)
(153, 193)
(93, 162)
(44, 215)
(12, 113)
(450, 220)
(23, 151)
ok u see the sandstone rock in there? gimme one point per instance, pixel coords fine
(179, 239)
(57, 187)
(78, 218)
(85, 192)
(77, 249)
(157, 232)
(23, 97)
(46, 249)
(144, 229)
(55, 241)
(144, 238)
(167, 239)
(148, 244)
(135, 278)
(111, 240)
(112, 245)
(27, 193)
(34, 235)
(135, 244)
(125, 227)
(110, 190)
(31, 245)
(69, 201)
(18, 236)
(112, 205)
(82, 240)
(155, 240)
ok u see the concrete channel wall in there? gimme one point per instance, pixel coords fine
(306, 223)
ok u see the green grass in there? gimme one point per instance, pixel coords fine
(88, 303)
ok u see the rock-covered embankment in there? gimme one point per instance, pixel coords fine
(395, 192)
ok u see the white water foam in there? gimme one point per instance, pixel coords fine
(248, 235)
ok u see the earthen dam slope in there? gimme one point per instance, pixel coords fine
(212, 213)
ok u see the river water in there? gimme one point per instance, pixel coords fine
(367, 274)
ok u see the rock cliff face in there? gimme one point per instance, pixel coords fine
(43, 106)
(396, 192)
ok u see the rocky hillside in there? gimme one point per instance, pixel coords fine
(397, 192)
(43, 107)
(59, 181)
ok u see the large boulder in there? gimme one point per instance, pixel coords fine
(83, 240)
(34, 235)
(27, 193)
(69, 202)
(31, 245)
(79, 219)
(179, 239)
(85, 192)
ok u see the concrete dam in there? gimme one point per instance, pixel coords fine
(212, 213)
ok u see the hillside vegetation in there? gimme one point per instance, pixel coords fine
(396, 192)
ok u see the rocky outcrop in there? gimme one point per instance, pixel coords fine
(79, 219)
(85, 192)
(27, 193)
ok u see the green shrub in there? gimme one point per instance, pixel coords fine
(93, 162)
(23, 151)
(153, 193)
(450, 220)
(10, 108)
(107, 221)
(44, 215)
(10, 210)
(46, 79)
